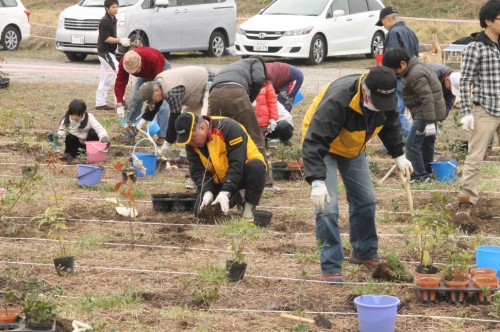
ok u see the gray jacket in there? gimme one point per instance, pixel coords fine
(422, 92)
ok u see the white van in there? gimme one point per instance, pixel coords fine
(167, 25)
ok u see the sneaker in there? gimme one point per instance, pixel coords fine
(333, 277)
(422, 180)
(160, 141)
(370, 263)
(189, 183)
(105, 108)
(464, 206)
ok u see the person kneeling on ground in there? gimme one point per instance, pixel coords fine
(222, 160)
(77, 127)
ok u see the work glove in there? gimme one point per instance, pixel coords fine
(164, 147)
(208, 197)
(430, 130)
(402, 162)
(319, 195)
(223, 200)
(120, 111)
(271, 126)
(142, 124)
(125, 42)
(467, 122)
(105, 139)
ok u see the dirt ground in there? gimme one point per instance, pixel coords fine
(147, 281)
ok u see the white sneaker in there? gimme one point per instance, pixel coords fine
(189, 183)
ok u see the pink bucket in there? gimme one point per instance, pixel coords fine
(96, 151)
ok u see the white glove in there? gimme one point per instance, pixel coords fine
(208, 197)
(142, 124)
(125, 42)
(319, 194)
(467, 122)
(430, 130)
(271, 126)
(402, 162)
(120, 110)
(223, 200)
(164, 147)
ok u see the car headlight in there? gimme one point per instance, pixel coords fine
(298, 32)
(240, 31)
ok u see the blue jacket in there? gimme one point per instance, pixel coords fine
(402, 36)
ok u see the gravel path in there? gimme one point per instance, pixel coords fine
(63, 71)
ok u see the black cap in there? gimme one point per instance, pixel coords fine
(382, 83)
(384, 12)
(184, 127)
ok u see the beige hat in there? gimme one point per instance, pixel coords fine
(132, 62)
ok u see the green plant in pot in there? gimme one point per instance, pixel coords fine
(57, 221)
(456, 274)
(9, 313)
(241, 233)
(39, 309)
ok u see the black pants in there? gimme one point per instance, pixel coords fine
(283, 131)
(73, 143)
(254, 179)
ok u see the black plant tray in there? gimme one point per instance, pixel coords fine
(21, 327)
(174, 202)
(444, 293)
(287, 174)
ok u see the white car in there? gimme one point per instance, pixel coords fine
(14, 24)
(312, 29)
(167, 25)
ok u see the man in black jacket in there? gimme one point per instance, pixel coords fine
(343, 117)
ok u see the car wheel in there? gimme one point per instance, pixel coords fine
(216, 44)
(76, 57)
(317, 51)
(377, 41)
(11, 38)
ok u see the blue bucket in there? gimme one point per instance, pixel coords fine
(376, 312)
(445, 171)
(89, 175)
(152, 126)
(298, 98)
(488, 256)
(149, 161)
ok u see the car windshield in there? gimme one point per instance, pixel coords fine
(100, 3)
(296, 7)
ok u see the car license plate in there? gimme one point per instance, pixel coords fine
(77, 39)
(260, 47)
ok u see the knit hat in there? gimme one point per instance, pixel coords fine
(132, 62)
(382, 83)
(145, 94)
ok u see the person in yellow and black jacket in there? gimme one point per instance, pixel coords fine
(222, 160)
(343, 117)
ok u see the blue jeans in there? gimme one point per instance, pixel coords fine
(420, 150)
(136, 105)
(361, 198)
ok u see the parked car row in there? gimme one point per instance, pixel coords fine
(311, 30)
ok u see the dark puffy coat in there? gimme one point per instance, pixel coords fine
(422, 92)
(249, 73)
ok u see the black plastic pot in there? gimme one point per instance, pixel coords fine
(64, 265)
(4, 82)
(160, 165)
(235, 270)
(161, 202)
(179, 202)
(129, 174)
(262, 218)
(427, 269)
(48, 326)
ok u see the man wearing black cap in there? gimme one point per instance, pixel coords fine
(343, 117)
(222, 160)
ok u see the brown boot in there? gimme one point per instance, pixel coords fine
(464, 206)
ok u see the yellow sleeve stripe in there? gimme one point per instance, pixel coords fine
(236, 141)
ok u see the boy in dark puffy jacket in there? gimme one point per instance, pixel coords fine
(423, 95)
